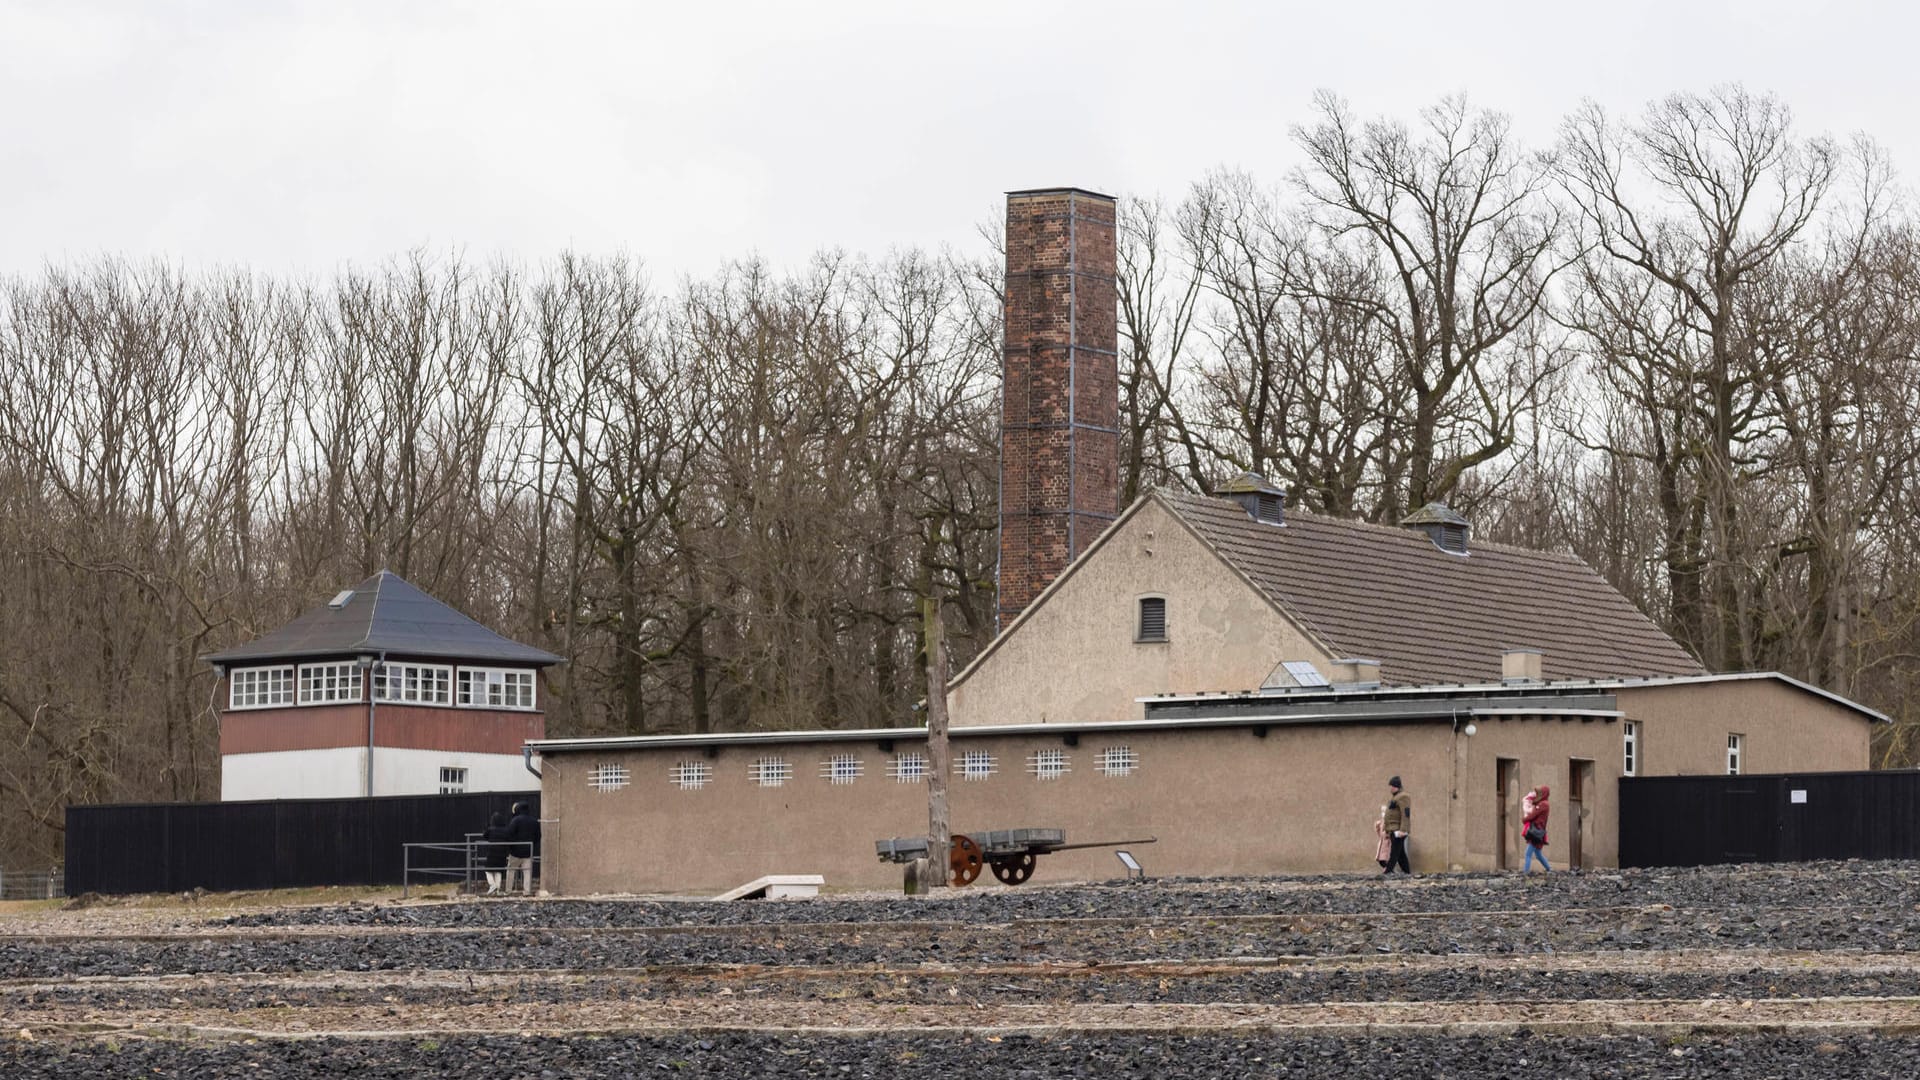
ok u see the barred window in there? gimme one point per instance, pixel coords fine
(770, 771)
(975, 765)
(909, 768)
(260, 688)
(1119, 761)
(422, 684)
(842, 769)
(495, 688)
(691, 775)
(324, 684)
(608, 777)
(1048, 764)
(453, 781)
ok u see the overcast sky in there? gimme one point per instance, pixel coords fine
(301, 137)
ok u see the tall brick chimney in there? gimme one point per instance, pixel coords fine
(1060, 397)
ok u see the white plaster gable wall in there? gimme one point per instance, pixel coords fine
(341, 773)
(1074, 657)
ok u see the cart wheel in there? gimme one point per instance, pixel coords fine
(964, 859)
(1014, 869)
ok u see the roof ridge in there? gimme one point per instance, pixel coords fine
(1383, 528)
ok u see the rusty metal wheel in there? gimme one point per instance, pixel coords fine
(964, 859)
(1014, 869)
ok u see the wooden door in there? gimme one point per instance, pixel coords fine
(1579, 790)
(1505, 770)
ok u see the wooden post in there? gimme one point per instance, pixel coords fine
(938, 827)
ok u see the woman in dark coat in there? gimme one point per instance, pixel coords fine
(495, 851)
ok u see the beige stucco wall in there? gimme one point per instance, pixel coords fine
(1220, 801)
(1685, 727)
(1074, 657)
(1544, 750)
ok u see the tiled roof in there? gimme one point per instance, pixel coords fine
(1428, 616)
(385, 614)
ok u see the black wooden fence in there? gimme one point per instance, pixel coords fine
(277, 844)
(1789, 817)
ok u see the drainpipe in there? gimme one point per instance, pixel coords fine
(526, 758)
(366, 662)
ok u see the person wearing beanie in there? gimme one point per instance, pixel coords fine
(1397, 821)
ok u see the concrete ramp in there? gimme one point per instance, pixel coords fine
(776, 887)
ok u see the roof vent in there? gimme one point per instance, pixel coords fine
(340, 599)
(1258, 496)
(1443, 525)
(1520, 666)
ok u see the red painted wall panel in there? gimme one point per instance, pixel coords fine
(405, 727)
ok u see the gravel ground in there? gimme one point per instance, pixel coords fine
(839, 944)
(1771, 960)
(1073, 1055)
(1856, 884)
(1265, 987)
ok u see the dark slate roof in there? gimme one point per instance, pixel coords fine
(385, 614)
(1249, 483)
(1436, 514)
(1433, 617)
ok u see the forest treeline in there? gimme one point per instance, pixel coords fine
(1684, 344)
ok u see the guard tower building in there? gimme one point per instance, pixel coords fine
(383, 690)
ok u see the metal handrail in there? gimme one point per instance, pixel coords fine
(468, 849)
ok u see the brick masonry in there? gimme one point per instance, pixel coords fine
(1060, 400)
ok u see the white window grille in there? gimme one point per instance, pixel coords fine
(1119, 761)
(1630, 738)
(325, 684)
(691, 775)
(975, 765)
(770, 771)
(608, 777)
(842, 769)
(1736, 744)
(494, 688)
(423, 684)
(260, 688)
(909, 768)
(1153, 619)
(453, 780)
(1047, 764)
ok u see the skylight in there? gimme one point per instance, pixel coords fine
(340, 600)
(1304, 673)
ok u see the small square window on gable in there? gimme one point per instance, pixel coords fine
(1153, 619)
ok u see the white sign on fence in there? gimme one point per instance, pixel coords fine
(1798, 795)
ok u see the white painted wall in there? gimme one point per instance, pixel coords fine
(294, 774)
(417, 772)
(342, 773)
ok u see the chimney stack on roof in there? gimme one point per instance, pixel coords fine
(1060, 389)
(1356, 674)
(1520, 666)
(1446, 527)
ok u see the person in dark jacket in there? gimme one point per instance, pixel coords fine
(1398, 822)
(524, 834)
(493, 853)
